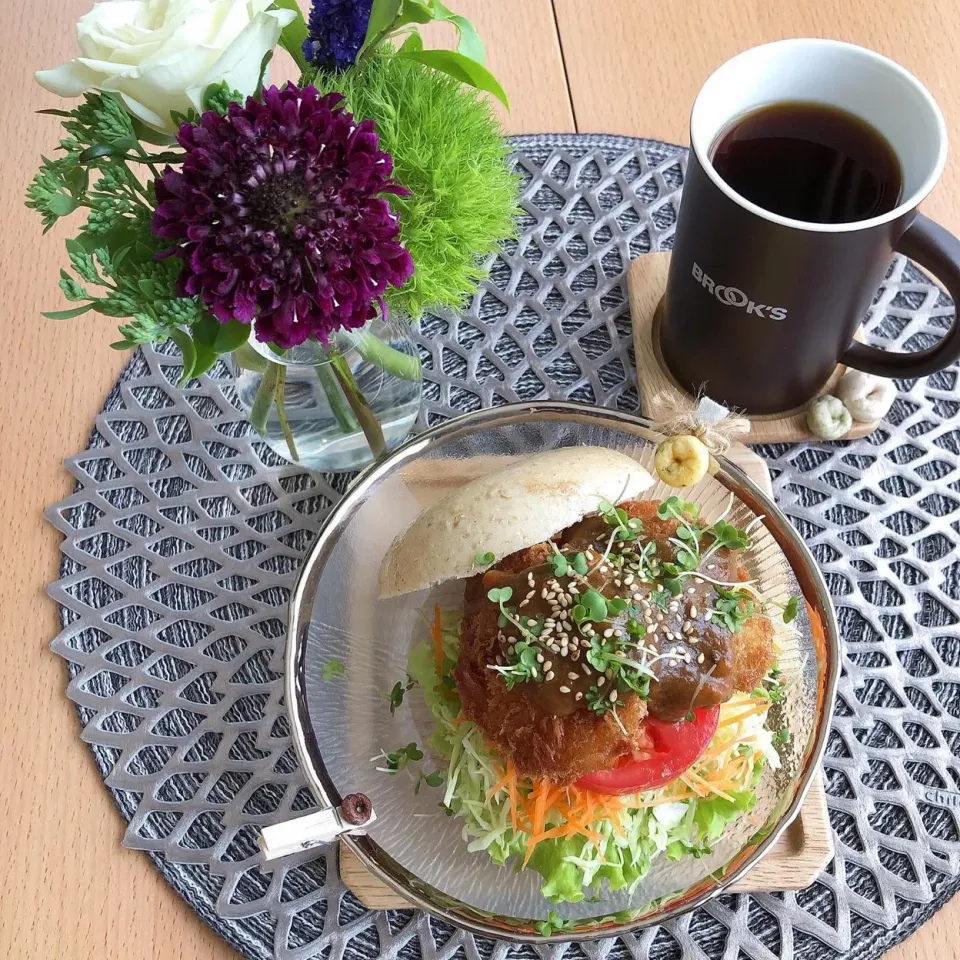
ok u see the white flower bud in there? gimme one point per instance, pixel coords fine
(828, 418)
(866, 397)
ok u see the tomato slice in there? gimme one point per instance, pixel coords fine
(666, 751)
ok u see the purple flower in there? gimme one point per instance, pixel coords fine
(337, 31)
(280, 217)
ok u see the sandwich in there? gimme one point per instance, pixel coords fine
(602, 695)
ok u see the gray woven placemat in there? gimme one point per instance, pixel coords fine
(185, 533)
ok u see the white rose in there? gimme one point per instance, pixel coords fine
(160, 55)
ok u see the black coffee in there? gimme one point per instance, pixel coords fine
(810, 161)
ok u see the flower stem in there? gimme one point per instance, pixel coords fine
(264, 398)
(358, 403)
(388, 358)
(282, 414)
(338, 406)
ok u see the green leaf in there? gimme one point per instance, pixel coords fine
(416, 11)
(248, 358)
(231, 336)
(123, 345)
(460, 68)
(294, 33)
(470, 44)
(205, 332)
(383, 13)
(62, 204)
(334, 668)
(99, 150)
(413, 43)
(484, 559)
(67, 314)
(790, 610)
(595, 605)
(187, 349)
(580, 564)
(55, 113)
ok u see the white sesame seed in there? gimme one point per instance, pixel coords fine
(543, 593)
(540, 658)
(673, 663)
(548, 665)
(708, 615)
(673, 606)
(693, 613)
(659, 618)
(575, 656)
(710, 566)
(628, 579)
(574, 589)
(550, 675)
(531, 622)
(639, 598)
(613, 696)
(617, 582)
(700, 658)
(609, 673)
(579, 696)
(658, 588)
(564, 600)
(523, 603)
(691, 590)
(511, 649)
(564, 689)
(608, 632)
(533, 673)
(587, 671)
(573, 676)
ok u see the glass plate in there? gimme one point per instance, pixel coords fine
(340, 724)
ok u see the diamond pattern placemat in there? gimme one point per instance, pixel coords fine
(185, 533)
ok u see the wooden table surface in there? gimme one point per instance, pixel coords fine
(617, 66)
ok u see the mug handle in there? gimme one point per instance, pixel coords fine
(937, 250)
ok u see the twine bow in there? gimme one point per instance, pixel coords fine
(700, 417)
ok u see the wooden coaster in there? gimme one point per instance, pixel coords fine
(796, 860)
(646, 281)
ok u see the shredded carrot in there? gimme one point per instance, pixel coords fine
(438, 642)
(499, 785)
(696, 782)
(512, 790)
(757, 707)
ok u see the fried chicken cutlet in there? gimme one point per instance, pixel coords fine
(569, 718)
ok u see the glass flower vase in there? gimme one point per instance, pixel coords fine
(334, 408)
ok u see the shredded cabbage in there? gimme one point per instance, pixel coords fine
(681, 819)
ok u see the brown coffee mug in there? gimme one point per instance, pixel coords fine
(759, 308)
